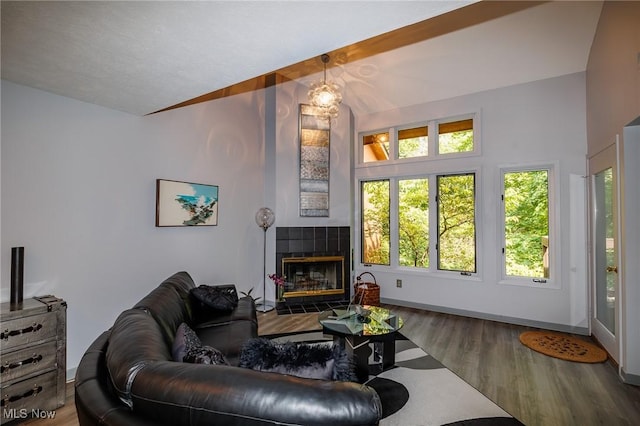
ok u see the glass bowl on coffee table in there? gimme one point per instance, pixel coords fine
(357, 328)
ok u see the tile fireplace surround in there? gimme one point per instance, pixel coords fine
(310, 241)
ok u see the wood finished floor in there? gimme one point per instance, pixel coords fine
(536, 389)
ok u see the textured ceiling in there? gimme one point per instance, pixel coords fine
(140, 57)
(143, 56)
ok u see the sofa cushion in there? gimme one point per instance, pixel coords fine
(312, 361)
(222, 298)
(228, 338)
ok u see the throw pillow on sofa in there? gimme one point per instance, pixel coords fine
(313, 361)
(222, 298)
(187, 347)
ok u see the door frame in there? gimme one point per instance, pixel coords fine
(610, 341)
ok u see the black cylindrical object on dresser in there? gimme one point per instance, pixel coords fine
(17, 275)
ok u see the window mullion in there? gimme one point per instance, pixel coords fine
(433, 222)
(394, 222)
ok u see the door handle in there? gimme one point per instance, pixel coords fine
(612, 269)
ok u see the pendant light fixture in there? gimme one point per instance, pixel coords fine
(325, 94)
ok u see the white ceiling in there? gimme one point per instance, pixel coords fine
(144, 56)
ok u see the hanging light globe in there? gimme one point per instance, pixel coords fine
(325, 95)
(265, 217)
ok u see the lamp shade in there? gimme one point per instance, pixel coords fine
(265, 217)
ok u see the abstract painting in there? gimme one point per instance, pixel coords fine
(315, 133)
(186, 204)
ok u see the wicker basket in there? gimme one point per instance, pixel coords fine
(366, 293)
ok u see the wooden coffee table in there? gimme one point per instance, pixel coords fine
(355, 335)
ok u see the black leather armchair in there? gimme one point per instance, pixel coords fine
(128, 377)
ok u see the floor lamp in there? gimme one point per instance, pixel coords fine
(264, 219)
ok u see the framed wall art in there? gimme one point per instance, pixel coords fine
(186, 204)
(314, 134)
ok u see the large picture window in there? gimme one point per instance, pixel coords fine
(455, 215)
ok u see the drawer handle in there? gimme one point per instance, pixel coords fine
(31, 360)
(31, 392)
(31, 329)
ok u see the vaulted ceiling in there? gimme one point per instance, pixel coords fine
(142, 57)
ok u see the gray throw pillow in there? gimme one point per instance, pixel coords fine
(187, 347)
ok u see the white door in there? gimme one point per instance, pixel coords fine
(605, 294)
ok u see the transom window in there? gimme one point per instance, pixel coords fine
(452, 137)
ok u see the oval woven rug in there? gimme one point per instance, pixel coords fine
(563, 346)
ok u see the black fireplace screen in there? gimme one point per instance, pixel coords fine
(317, 275)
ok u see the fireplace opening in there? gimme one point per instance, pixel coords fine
(313, 276)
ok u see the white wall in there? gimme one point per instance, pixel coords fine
(290, 95)
(539, 122)
(78, 192)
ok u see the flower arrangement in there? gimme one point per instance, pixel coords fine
(279, 281)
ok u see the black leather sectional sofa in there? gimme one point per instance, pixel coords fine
(128, 375)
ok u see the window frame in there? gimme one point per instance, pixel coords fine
(360, 232)
(551, 282)
(475, 223)
(433, 134)
(394, 232)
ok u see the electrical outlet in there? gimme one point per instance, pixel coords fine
(398, 283)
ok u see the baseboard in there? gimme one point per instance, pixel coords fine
(630, 379)
(71, 374)
(491, 317)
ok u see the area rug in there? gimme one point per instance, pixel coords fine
(563, 346)
(420, 391)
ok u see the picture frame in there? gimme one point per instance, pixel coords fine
(185, 204)
(314, 134)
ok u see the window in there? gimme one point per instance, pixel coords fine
(526, 210)
(413, 142)
(417, 214)
(375, 147)
(456, 223)
(375, 222)
(454, 214)
(455, 136)
(413, 222)
(451, 137)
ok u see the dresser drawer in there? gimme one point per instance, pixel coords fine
(28, 329)
(36, 393)
(28, 361)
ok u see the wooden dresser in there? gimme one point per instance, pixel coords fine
(33, 347)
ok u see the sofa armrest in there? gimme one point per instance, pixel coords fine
(181, 394)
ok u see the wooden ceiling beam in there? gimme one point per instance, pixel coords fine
(455, 20)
